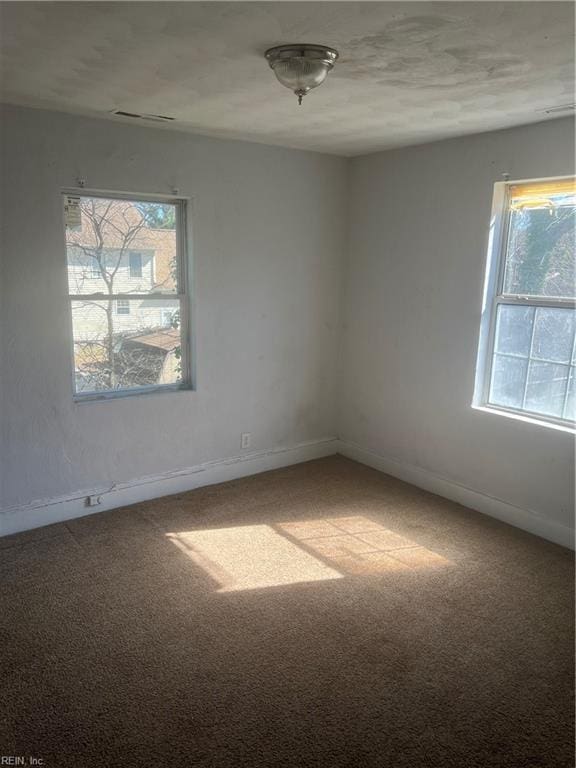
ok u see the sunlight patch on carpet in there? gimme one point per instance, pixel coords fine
(259, 556)
(359, 546)
(251, 557)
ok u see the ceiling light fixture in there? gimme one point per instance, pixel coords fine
(300, 66)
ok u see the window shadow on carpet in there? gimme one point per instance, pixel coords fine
(260, 556)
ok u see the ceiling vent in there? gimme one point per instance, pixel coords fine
(555, 110)
(135, 116)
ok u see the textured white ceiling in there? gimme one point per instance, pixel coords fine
(409, 72)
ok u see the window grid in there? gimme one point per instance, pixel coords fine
(570, 366)
(571, 375)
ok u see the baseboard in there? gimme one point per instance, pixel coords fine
(527, 519)
(56, 510)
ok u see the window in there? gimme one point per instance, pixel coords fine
(93, 271)
(122, 307)
(527, 351)
(127, 338)
(135, 260)
(168, 316)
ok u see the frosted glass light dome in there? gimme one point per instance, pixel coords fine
(301, 67)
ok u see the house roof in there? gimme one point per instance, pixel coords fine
(166, 340)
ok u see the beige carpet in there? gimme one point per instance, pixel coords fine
(322, 615)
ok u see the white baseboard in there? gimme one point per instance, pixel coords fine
(527, 519)
(56, 510)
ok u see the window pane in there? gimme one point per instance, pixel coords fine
(135, 264)
(117, 350)
(554, 334)
(546, 388)
(540, 252)
(570, 407)
(508, 379)
(122, 246)
(514, 330)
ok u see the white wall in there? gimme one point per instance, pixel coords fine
(270, 229)
(268, 240)
(418, 236)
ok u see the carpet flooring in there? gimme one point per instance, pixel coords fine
(320, 615)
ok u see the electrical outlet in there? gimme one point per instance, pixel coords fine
(245, 439)
(93, 501)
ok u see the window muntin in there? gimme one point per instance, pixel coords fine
(530, 320)
(128, 295)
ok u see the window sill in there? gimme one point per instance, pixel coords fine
(527, 419)
(106, 397)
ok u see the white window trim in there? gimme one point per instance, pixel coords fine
(184, 295)
(492, 296)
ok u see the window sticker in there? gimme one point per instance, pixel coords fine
(72, 212)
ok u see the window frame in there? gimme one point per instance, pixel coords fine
(493, 297)
(184, 293)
